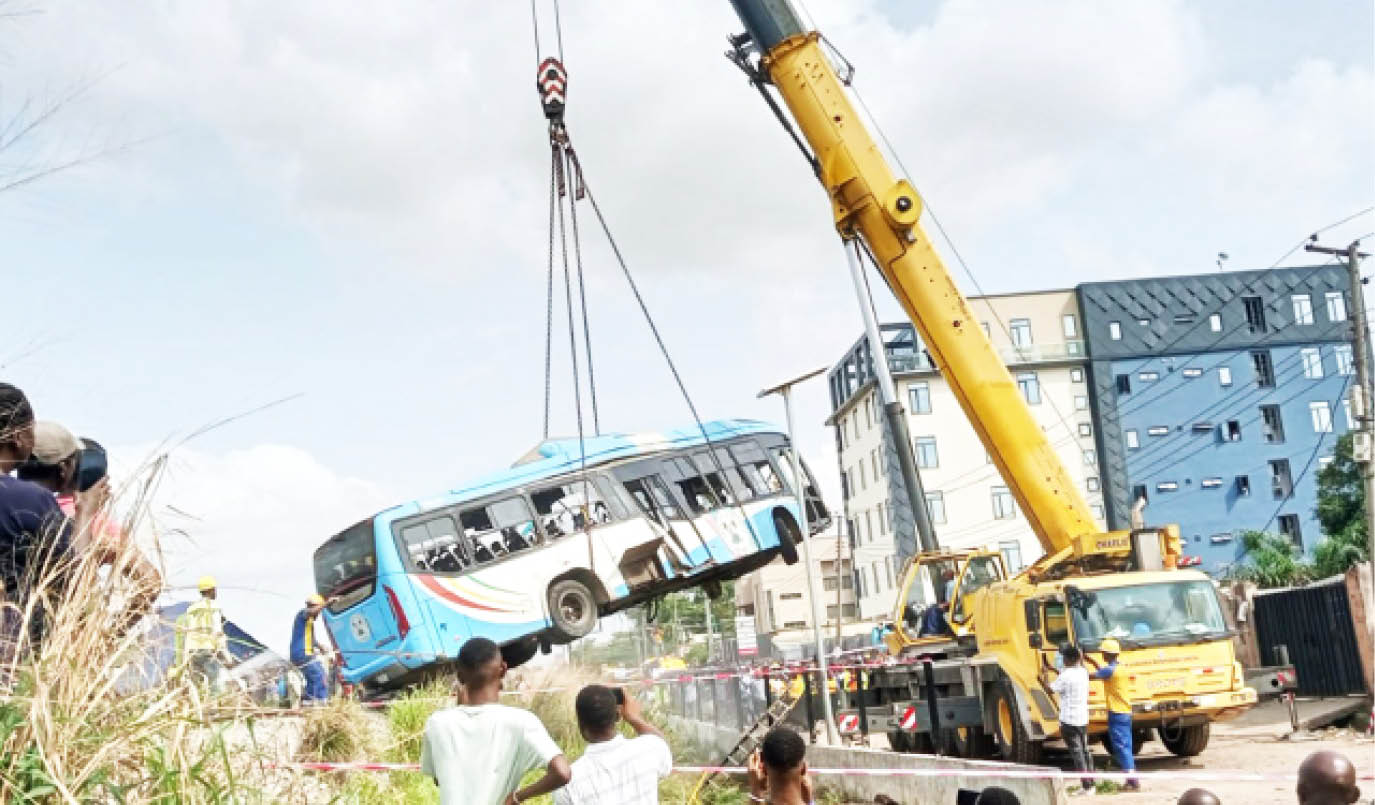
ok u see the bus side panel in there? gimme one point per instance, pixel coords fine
(502, 602)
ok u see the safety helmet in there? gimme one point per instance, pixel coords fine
(315, 600)
(206, 583)
(1110, 646)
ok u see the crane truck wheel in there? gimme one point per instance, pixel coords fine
(968, 742)
(1186, 741)
(1010, 737)
(788, 536)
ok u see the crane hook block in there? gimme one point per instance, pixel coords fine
(902, 205)
(552, 83)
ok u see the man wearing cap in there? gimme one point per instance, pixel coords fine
(1116, 689)
(304, 653)
(201, 642)
(74, 471)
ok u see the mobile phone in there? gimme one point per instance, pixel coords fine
(620, 696)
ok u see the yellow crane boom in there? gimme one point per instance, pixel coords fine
(869, 202)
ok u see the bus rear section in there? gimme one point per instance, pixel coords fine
(370, 610)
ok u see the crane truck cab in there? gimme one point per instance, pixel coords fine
(935, 600)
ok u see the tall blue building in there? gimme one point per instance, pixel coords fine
(1218, 397)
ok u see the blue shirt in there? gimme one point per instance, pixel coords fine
(300, 652)
(33, 532)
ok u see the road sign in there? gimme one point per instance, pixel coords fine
(747, 643)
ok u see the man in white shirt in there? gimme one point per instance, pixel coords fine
(478, 751)
(615, 770)
(1072, 687)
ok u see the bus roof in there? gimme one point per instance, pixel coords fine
(560, 456)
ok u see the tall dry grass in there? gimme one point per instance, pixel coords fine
(78, 723)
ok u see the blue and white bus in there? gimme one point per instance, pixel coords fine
(532, 556)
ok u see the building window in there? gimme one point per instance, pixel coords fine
(873, 462)
(1133, 441)
(1321, 413)
(1003, 506)
(863, 482)
(1097, 509)
(1139, 493)
(1090, 458)
(1346, 409)
(1265, 370)
(1183, 318)
(1345, 366)
(1124, 384)
(1081, 402)
(1215, 322)
(1144, 322)
(926, 452)
(1085, 429)
(1312, 363)
(1303, 308)
(1281, 481)
(1069, 325)
(1167, 486)
(1012, 554)
(790, 596)
(1091, 483)
(1115, 330)
(1158, 430)
(935, 507)
(984, 325)
(1325, 461)
(1192, 371)
(920, 395)
(1020, 332)
(1224, 376)
(1336, 305)
(1231, 431)
(1210, 483)
(1076, 375)
(1148, 377)
(1272, 424)
(1289, 526)
(1030, 387)
(1242, 483)
(1255, 313)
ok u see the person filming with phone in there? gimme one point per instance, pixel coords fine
(615, 770)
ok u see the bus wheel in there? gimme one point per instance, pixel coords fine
(572, 608)
(788, 536)
(520, 652)
(1008, 733)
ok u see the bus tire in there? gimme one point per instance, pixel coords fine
(788, 536)
(518, 653)
(572, 610)
(1187, 741)
(1013, 742)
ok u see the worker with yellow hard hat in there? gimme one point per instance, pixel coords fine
(1117, 692)
(201, 644)
(305, 650)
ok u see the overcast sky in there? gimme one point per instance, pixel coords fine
(303, 199)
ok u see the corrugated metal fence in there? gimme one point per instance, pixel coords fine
(1315, 624)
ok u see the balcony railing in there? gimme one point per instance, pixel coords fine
(907, 361)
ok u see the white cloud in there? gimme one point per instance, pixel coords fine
(252, 518)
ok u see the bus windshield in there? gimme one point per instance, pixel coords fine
(346, 566)
(1148, 614)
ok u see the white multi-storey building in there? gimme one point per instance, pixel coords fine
(1039, 337)
(776, 594)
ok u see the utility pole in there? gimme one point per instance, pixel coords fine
(840, 578)
(1361, 400)
(711, 633)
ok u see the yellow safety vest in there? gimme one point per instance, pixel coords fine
(202, 627)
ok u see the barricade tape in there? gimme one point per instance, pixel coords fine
(991, 770)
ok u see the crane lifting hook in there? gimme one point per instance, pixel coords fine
(552, 84)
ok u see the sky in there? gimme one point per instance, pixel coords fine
(346, 212)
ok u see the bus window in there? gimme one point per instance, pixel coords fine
(738, 483)
(570, 507)
(755, 466)
(607, 489)
(346, 567)
(433, 545)
(653, 498)
(707, 469)
(512, 517)
(785, 466)
(694, 488)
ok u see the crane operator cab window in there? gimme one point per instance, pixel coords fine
(927, 600)
(979, 572)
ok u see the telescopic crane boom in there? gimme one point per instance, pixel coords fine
(870, 203)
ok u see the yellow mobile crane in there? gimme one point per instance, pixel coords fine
(981, 684)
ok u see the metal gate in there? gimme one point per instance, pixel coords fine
(1315, 624)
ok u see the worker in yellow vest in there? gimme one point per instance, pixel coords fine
(306, 651)
(797, 688)
(1117, 692)
(201, 644)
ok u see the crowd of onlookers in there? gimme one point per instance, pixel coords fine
(480, 750)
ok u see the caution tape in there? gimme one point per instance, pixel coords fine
(991, 770)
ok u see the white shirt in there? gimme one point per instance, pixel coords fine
(478, 754)
(621, 771)
(1072, 686)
